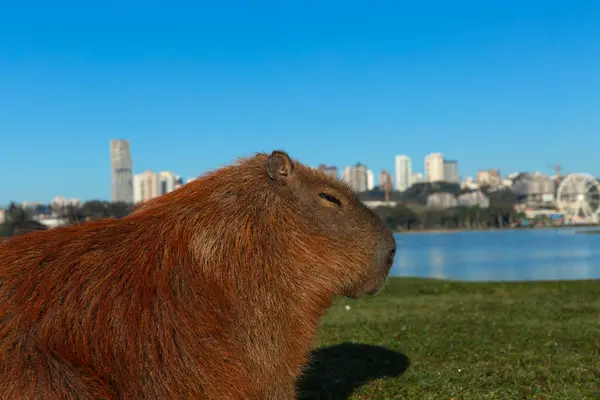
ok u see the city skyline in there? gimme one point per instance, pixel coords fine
(148, 184)
(500, 85)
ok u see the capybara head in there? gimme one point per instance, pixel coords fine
(294, 221)
(349, 239)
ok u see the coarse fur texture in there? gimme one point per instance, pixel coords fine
(212, 291)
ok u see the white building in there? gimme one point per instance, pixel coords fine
(31, 204)
(379, 203)
(535, 189)
(357, 177)
(2, 215)
(469, 183)
(151, 184)
(403, 172)
(434, 167)
(51, 222)
(346, 174)
(168, 181)
(59, 203)
(146, 186)
(474, 198)
(490, 177)
(441, 200)
(370, 180)
(416, 178)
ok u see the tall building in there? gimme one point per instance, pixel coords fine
(147, 186)
(168, 181)
(329, 170)
(434, 167)
(385, 178)
(346, 174)
(356, 176)
(403, 172)
(370, 180)
(121, 171)
(451, 171)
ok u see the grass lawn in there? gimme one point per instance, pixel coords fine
(428, 339)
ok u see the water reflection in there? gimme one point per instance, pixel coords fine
(437, 263)
(547, 254)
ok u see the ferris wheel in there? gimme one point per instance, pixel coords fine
(578, 197)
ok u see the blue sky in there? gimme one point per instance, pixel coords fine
(506, 84)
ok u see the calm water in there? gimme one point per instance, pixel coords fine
(543, 254)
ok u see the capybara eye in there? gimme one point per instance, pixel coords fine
(331, 198)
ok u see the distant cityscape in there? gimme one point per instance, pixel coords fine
(130, 188)
(575, 197)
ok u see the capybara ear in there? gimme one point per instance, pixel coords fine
(279, 165)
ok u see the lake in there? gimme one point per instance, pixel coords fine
(502, 255)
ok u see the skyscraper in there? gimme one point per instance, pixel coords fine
(356, 176)
(168, 181)
(370, 180)
(403, 172)
(147, 186)
(385, 178)
(434, 167)
(121, 171)
(451, 171)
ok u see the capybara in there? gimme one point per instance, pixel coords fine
(212, 291)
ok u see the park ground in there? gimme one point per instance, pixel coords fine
(430, 339)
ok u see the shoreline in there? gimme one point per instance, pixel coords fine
(459, 230)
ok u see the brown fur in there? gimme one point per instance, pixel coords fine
(213, 291)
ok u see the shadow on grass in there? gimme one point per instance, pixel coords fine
(336, 371)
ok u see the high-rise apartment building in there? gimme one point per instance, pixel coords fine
(346, 174)
(329, 170)
(147, 186)
(168, 181)
(385, 178)
(151, 184)
(434, 167)
(403, 172)
(357, 177)
(370, 180)
(451, 171)
(121, 171)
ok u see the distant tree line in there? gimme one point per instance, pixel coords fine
(19, 220)
(411, 212)
(402, 217)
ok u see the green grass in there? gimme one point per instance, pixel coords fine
(430, 339)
